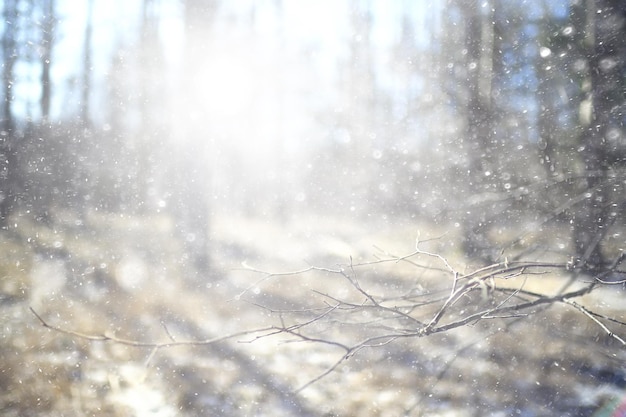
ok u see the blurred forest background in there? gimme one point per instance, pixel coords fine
(484, 114)
(178, 130)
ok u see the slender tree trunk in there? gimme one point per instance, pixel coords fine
(480, 119)
(9, 55)
(190, 179)
(46, 57)
(85, 109)
(8, 154)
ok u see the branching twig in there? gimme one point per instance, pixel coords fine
(136, 343)
(269, 275)
(593, 317)
(517, 307)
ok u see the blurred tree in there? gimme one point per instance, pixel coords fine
(479, 135)
(188, 178)
(47, 28)
(8, 151)
(360, 102)
(412, 107)
(348, 175)
(85, 108)
(152, 84)
(135, 117)
(572, 72)
(580, 123)
(557, 65)
(40, 160)
(602, 142)
(472, 55)
(10, 33)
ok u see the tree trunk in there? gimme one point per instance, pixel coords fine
(602, 142)
(86, 82)
(46, 57)
(480, 119)
(8, 156)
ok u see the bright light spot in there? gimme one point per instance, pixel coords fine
(544, 52)
(131, 272)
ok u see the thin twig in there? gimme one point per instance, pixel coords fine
(589, 314)
(136, 343)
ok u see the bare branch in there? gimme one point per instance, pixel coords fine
(592, 316)
(135, 343)
(517, 307)
(382, 320)
(269, 275)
